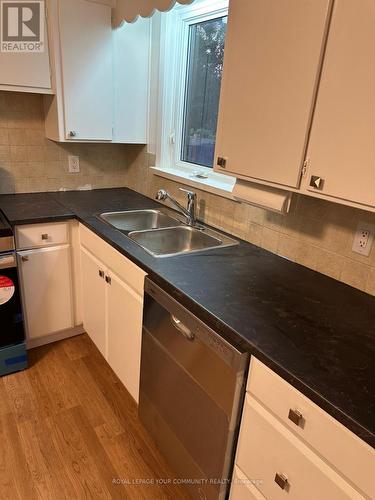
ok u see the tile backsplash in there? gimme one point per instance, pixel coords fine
(30, 162)
(316, 233)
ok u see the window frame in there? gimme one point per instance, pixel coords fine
(174, 61)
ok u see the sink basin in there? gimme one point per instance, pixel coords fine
(180, 240)
(139, 220)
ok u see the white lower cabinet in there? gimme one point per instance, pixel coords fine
(47, 290)
(269, 453)
(93, 300)
(112, 298)
(280, 453)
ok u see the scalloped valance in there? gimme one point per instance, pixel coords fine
(129, 10)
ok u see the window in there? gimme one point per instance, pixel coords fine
(191, 63)
(202, 91)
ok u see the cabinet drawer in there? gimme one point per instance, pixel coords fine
(41, 235)
(329, 438)
(267, 449)
(131, 274)
(242, 488)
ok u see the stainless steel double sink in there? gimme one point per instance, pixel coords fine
(163, 234)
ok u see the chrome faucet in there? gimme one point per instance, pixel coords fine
(190, 211)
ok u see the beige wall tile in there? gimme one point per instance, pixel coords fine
(21, 185)
(306, 255)
(287, 247)
(370, 285)
(270, 239)
(329, 263)
(4, 138)
(35, 153)
(4, 154)
(35, 137)
(254, 234)
(18, 153)
(17, 136)
(355, 274)
(240, 215)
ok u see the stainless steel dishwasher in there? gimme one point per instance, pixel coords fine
(192, 387)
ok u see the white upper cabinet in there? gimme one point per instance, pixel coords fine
(82, 45)
(86, 64)
(342, 147)
(26, 71)
(102, 75)
(272, 59)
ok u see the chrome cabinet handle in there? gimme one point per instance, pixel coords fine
(45, 236)
(186, 332)
(282, 481)
(296, 417)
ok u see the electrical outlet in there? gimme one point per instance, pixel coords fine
(73, 164)
(363, 238)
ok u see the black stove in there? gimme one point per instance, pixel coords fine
(13, 355)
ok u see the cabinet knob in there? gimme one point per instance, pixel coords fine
(221, 162)
(45, 236)
(108, 280)
(25, 258)
(317, 182)
(101, 273)
(282, 481)
(72, 133)
(296, 417)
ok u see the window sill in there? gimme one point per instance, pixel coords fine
(221, 185)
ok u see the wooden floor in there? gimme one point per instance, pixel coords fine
(69, 430)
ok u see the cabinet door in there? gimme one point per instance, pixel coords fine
(47, 290)
(125, 309)
(271, 66)
(342, 146)
(26, 71)
(86, 55)
(131, 47)
(94, 300)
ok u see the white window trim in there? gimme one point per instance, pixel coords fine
(173, 42)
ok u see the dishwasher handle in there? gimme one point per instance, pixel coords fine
(186, 332)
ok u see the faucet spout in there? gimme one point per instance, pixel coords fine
(189, 212)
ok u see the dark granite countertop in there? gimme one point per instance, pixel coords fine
(315, 332)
